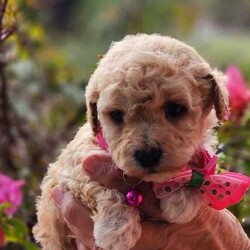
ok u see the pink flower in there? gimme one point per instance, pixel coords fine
(2, 237)
(239, 94)
(10, 191)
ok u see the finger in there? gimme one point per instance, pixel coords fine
(101, 168)
(97, 164)
(76, 216)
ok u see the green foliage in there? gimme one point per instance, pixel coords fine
(226, 49)
(236, 144)
(3, 207)
(15, 230)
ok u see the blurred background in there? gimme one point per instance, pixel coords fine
(48, 50)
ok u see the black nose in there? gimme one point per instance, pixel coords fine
(148, 158)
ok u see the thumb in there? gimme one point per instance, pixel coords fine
(100, 167)
(96, 165)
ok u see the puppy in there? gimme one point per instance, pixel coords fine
(155, 101)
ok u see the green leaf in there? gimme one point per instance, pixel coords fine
(15, 230)
(29, 245)
(3, 207)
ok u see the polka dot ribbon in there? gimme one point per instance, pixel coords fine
(218, 190)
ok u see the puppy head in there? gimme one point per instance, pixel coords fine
(154, 98)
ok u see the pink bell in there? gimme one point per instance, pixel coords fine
(134, 197)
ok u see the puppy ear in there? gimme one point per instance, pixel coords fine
(219, 93)
(93, 117)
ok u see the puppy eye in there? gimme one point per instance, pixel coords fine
(117, 116)
(174, 110)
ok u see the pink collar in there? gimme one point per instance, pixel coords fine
(101, 141)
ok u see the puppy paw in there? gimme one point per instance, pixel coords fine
(118, 230)
(182, 206)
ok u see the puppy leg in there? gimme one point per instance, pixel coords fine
(51, 231)
(116, 226)
(182, 206)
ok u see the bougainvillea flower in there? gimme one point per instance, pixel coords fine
(1, 238)
(10, 192)
(239, 94)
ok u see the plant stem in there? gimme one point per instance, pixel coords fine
(6, 138)
(3, 9)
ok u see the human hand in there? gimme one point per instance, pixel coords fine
(78, 216)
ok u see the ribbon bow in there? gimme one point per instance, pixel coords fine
(218, 190)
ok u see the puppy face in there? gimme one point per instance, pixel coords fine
(152, 104)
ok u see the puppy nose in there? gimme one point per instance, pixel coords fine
(148, 158)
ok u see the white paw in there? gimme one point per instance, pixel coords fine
(118, 230)
(182, 206)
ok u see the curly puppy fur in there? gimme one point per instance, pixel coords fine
(138, 76)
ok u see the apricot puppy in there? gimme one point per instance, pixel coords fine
(155, 101)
